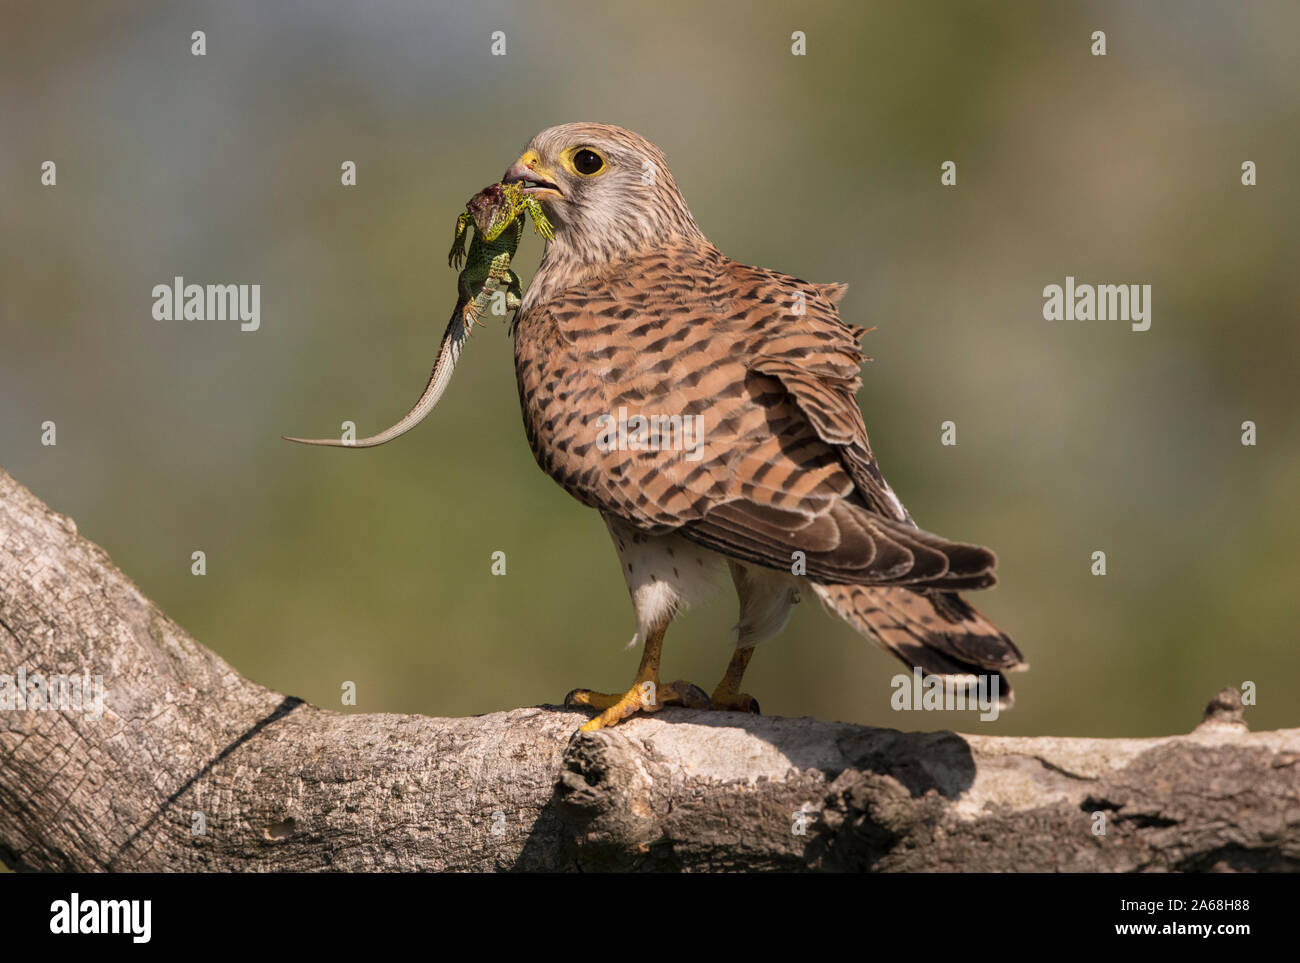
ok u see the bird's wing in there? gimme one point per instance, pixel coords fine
(782, 463)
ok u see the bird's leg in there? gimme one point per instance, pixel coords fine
(646, 694)
(727, 695)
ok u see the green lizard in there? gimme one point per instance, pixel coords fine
(495, 215)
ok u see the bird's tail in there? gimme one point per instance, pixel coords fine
(938, 632)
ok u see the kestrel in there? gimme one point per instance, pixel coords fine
(633, 320)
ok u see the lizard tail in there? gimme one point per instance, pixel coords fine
(453, 340)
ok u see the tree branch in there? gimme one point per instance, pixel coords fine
(277, 784)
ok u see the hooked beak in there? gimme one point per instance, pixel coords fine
(537, 179)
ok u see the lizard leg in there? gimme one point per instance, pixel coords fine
(457, 254)
(540, 224)
(514, 291)
(477, 293)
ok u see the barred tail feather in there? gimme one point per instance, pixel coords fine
(938, 632)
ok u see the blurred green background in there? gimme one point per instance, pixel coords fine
(374, 566)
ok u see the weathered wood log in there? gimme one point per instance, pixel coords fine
(192, 767)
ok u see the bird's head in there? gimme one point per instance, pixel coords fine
(608, 191)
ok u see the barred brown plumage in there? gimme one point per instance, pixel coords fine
(633, 309)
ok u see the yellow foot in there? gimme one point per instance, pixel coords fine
(734, 702)
(727, 696)
(643, 697)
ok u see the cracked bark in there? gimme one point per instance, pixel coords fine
(283, 785)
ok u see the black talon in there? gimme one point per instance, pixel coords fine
(691, 696)
(569, 704)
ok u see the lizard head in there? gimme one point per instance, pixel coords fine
(493, 208)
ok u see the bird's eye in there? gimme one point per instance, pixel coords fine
(587, 161)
